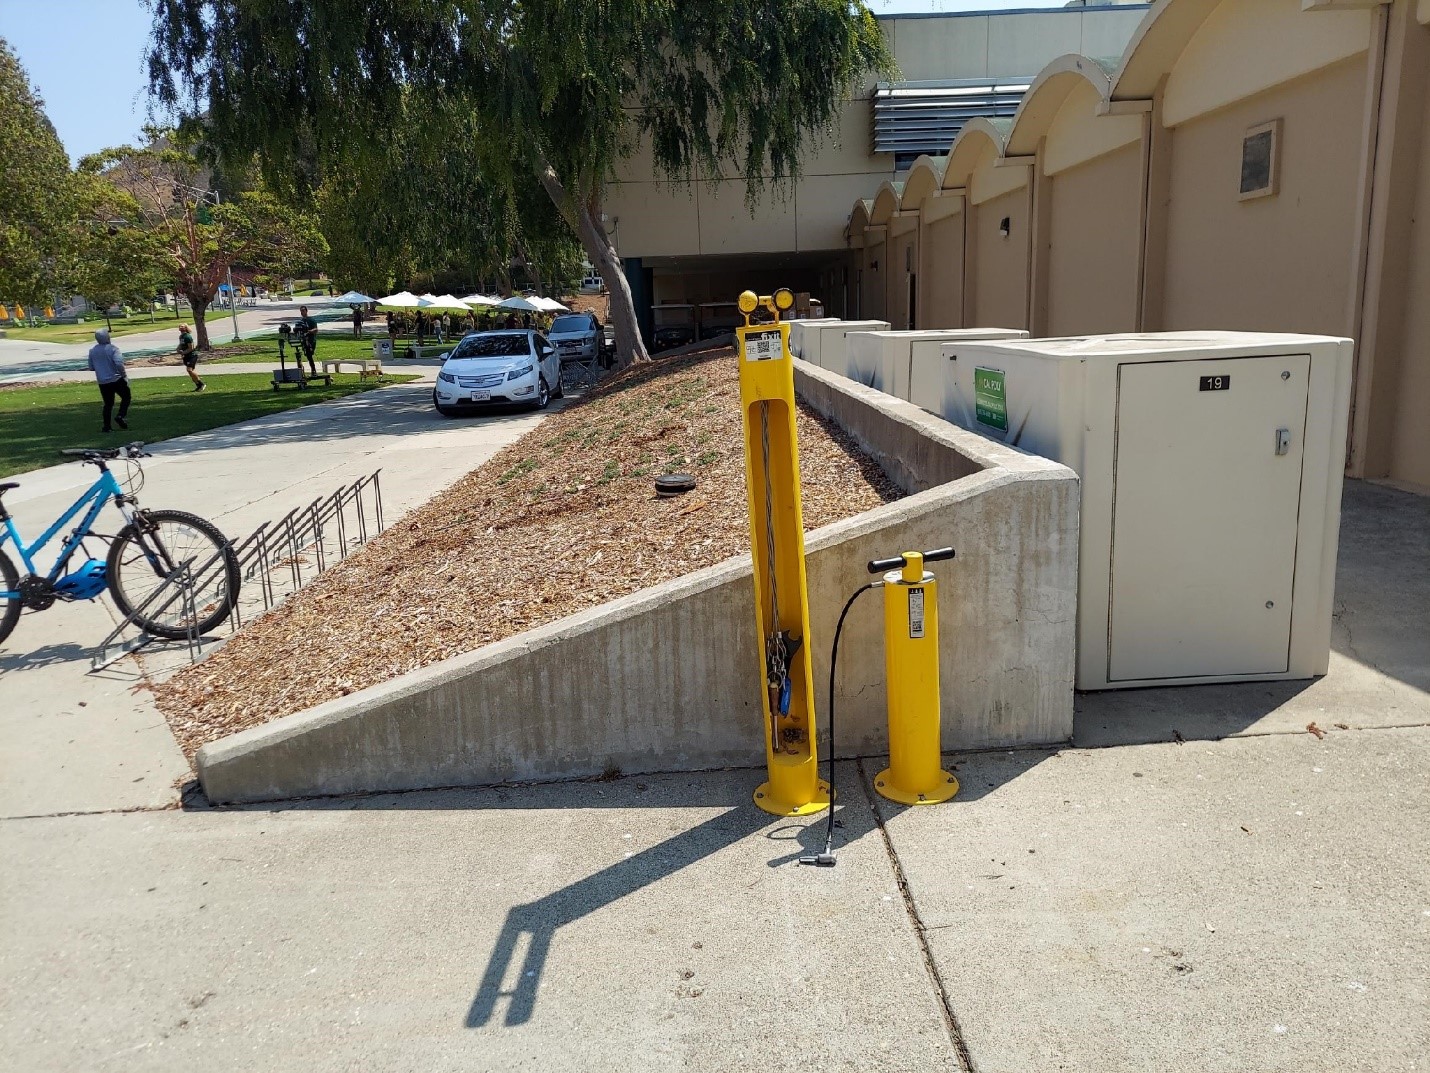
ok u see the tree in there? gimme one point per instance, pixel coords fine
(425, 209)
(36, 202)
(111, 259)
(558, 91)
(195, 236)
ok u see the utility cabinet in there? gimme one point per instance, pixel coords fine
(1211, 467)
(822, 342)
(888, 360)
(797, 328)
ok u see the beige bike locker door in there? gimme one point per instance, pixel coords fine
(1207, 488)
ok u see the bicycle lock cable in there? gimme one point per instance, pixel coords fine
(826, 859)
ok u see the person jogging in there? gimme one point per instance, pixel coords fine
(189, 355)
(108, 366)
(307, 329)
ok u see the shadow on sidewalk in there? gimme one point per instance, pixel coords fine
(518, 957)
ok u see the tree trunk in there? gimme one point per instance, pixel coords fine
(585, 218)
(199, 305)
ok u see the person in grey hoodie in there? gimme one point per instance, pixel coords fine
(108, 366)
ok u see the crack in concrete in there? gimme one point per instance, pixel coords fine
(950, 1018)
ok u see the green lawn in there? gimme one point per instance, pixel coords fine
(263, 348)
(39, 421)
(84, 333)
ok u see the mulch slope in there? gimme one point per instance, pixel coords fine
(562, 520)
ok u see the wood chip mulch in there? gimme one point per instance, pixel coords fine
(562, 520)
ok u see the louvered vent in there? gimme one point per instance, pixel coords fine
(911, 118)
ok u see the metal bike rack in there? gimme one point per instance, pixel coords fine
(178, 585)
(324, 532)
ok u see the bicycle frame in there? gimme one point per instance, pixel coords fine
(101, 492)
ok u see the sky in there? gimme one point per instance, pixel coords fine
(86, 59)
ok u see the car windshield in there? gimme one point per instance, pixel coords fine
(571, 324)
(492, 346)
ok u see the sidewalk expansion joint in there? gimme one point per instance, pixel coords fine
(950, 1018)
(172, 806)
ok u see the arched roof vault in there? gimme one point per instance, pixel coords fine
(925, 178)
(969, 147)
(859, 219)
(886, 203)
(1155, 46)
(1048, 93)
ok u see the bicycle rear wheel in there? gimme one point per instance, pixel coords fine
(143, 555)
(9, 605)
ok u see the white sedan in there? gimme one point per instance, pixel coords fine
(502, 368)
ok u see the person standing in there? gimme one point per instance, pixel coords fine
(357, 322)
(108, 367)
(189, 355)
(308, 338)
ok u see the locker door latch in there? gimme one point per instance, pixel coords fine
(1283, 440)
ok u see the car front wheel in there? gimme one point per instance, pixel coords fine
(445, 411)
(543, 394)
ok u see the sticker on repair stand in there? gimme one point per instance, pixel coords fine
(763, 346)
(916, 612)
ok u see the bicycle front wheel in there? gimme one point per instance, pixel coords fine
(146, 553)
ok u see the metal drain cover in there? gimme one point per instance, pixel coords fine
(673, 484)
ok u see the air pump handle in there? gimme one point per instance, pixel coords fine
(879, 566)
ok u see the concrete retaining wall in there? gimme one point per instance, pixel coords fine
(668, 679)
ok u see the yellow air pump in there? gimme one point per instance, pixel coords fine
(915, 774)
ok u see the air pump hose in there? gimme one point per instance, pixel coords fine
(826, 859)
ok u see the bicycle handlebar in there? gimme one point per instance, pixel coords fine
(98, 454)
(898, 562)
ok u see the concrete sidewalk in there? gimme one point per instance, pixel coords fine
(1257, 903)
(76, 742)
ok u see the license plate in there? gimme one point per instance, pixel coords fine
(481, 396)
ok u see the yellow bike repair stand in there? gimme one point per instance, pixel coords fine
(915, 774)
(777, 538)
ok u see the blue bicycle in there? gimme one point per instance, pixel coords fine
(153, 547)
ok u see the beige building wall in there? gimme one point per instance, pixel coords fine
(902, 258)
(871, 305)
(1272, 263)
(998, 264)
(1092, 255)
(941, 299)
(708, 217)
(1409, 439)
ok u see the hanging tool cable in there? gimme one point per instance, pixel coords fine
(776, 654)
(826, 859)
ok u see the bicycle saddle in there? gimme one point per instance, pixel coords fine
(7, 486)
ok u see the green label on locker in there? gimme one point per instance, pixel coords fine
(990, 400)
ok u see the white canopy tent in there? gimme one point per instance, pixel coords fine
(400, 300)
(476, 300)
(353, 298)
(520, 304)
(444, 303)
(550, 305)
